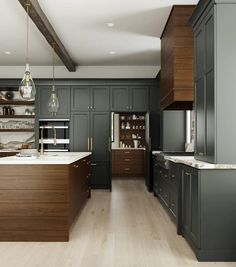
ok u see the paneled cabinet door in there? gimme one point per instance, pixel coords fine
(80, 98)
(80, 132)
(100, 175)
(204, 90)
(63, 93)
(190, 204)
(100, 132)
(120, 98)
(100, 98)
(139, 98)
(200, 95)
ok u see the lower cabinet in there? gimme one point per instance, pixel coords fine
(166, 188)
(202, 203)
(128, 162)
(79, 186)
(100, 175)
(191, 207)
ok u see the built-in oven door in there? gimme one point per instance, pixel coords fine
(51, 142)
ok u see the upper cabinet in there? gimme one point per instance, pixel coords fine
(177, 60)
(90, 98)
(130, 98)
(43, 96)
(214, 23)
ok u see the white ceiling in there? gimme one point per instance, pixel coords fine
(81, 25)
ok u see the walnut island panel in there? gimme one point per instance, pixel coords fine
(41, 198)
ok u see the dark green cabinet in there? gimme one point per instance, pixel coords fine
(43, 96)
(213, 24)
(130, 98)
(100, 175)
(120, 98)
(204, 89)
(91, 132)
(139, 98)
(80, 132)
(191, 205)
(100, 134)
(90, 98)
(80, 98)
(166, 188)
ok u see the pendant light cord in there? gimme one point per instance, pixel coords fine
(27, 34)
(53, 68)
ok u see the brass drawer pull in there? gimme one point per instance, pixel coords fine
(127, 159)
(127, 169)
(127, 152)
(76, 166)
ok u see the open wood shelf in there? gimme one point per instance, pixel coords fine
(17, 130)
(17, 102)
(132, 129)
(17, 116)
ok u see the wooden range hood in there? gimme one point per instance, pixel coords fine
(177, 60)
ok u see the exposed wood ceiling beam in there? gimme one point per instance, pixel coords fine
(41, 21)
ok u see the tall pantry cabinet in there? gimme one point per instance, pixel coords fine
(214, 23)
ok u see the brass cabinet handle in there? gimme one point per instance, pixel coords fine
(188, 174)
(127, 152)
(88, 143)
(76, 166)
(127, 169)
(127, 159)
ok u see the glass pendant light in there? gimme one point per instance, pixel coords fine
(27, 87)
(53, 104)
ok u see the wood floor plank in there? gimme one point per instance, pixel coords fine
(125, 228)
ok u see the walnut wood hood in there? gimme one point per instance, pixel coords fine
(177, 60)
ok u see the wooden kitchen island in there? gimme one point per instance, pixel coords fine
(40, 198)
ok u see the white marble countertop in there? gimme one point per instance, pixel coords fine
(57, 158)
(201, 165)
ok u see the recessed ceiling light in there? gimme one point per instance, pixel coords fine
(7, 52)
(110, 24)
(112, 52)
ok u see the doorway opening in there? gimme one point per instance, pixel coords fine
(129, 131)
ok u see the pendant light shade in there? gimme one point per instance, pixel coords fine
(53, 104)
(27, 88)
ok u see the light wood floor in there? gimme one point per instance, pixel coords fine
(127, 227)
